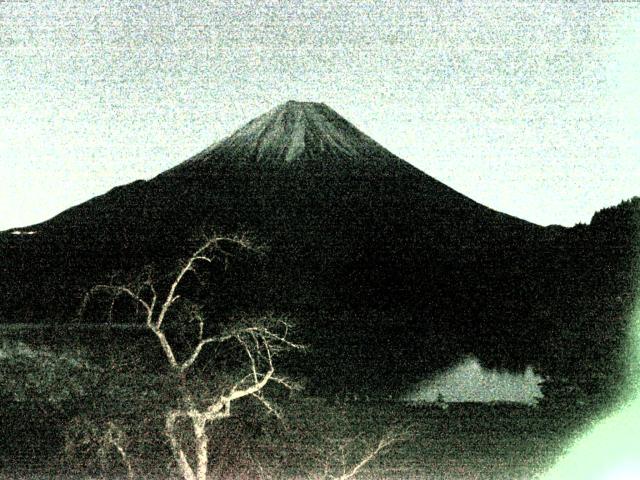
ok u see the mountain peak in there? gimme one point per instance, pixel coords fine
(297, 133)
(285, 133)
(302, 105)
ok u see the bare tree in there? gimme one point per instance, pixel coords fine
(384, 443)
(348, 471)
(259, 339)
(114, 438)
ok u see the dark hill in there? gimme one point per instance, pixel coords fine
(392, 274)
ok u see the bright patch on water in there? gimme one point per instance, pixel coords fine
(470, 382)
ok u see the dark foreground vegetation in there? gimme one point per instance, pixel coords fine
(72, 395)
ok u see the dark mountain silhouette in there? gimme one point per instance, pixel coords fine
(392, 274)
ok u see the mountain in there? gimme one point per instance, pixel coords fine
(363, 248)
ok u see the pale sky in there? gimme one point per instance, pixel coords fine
(530, 108)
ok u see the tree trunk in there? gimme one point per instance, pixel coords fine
(178, 454)
(202, 447)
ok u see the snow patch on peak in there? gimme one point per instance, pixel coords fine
(277, 134)
(295, 145)
(304, 134)
(301, 105)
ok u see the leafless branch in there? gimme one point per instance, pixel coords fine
(384, 443)
(115, 291)
(287, 383)
(268, 405)
(247, 350)
(114, 437)
(195, 354)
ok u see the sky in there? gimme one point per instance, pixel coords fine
(530, 108)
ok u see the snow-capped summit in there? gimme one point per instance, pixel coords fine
(303, 135)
